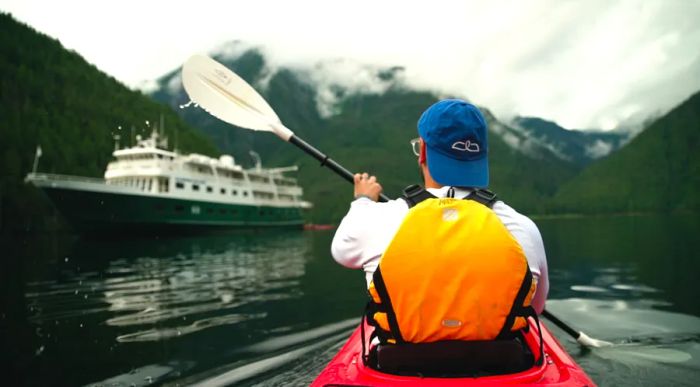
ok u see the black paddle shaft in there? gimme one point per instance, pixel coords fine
(328, 162)
(565, 327)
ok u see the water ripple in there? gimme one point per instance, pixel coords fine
(170, 332)
(152, 295)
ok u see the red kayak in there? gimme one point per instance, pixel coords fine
(557, 369)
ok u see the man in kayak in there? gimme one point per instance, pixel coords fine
(452, 155)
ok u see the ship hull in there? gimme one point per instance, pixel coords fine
(92, 211)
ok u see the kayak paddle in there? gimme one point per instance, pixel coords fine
(228, 97)
(579, 336)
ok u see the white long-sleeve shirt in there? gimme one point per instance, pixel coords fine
(367, 229)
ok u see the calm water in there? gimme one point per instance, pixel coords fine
(271, 307)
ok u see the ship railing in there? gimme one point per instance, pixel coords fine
(57, 177)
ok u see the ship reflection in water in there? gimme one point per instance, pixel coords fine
(155, 290)
(198, 290)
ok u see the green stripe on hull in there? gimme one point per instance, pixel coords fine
(94, 211)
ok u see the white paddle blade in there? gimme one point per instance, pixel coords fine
(228, 97)
(588, 341)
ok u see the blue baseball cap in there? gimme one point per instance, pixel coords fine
(455, 135)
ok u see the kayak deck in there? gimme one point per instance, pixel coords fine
(558, 368)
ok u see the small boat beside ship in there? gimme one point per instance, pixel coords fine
(148, 187)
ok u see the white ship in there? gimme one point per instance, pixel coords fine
(150, 187)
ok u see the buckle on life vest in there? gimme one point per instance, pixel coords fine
(483, 196)
(414, 194)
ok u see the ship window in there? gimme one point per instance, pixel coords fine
(209, 210)
(263, 195)
(179, 185)
(223, 191)
(222, 210)
(210, 189)
(245, 193)
(234, 192)
(195, 187)
(179, 208)
(284, 182)
(164, 184)
(259, 179)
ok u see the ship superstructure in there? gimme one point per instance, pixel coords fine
(148, 186)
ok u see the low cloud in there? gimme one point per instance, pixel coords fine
(585, 64)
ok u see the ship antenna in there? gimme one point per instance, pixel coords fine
(36, 158)
(162, 139)
(175, 147)
(256, 156)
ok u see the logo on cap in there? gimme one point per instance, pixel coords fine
(466, 146)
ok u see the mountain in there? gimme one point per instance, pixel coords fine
(657, 171)
(366, 129)
(577, 146)
(52, 97)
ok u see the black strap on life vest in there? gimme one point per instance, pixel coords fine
(534, 315)
(483, 196)
(386, 307)
(517, 309)
(414, 194)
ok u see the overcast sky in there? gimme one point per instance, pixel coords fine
(584, 64)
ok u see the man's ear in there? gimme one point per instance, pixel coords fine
(422, 157)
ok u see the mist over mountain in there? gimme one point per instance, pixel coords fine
(577, 146)
(363, 117)
(365, 123)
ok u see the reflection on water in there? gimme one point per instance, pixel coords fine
(629, 280)
(185, 287)
(271, 308)
(652, 347)
(156, 309)
(636, 257)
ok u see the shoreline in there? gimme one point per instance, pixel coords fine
(572, 215)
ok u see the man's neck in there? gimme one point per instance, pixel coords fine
(427, 179)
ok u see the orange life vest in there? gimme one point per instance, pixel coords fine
(452, 272)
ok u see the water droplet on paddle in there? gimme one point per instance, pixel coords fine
(188, 104)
